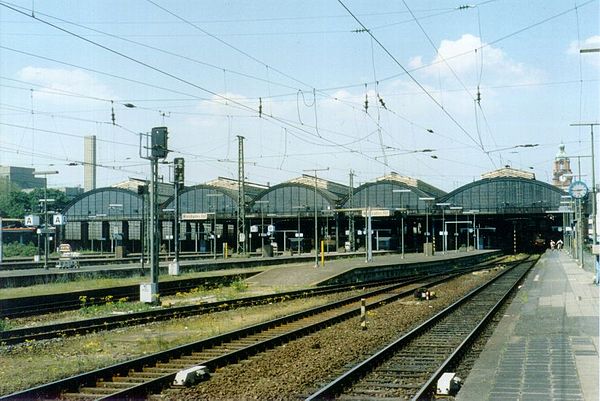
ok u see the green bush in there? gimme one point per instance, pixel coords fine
(5, 325)
(16, 249)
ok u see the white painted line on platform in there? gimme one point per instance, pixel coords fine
(536, 278)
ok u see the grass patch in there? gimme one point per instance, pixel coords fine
(86, 283)
(110, 306)
(5, 325)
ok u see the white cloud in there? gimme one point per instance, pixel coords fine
(465, 56)
(415, 62)
(593, 42)
(62, 80)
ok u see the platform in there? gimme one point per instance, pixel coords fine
(546, 345)
(307, 275)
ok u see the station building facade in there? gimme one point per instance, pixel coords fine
(506, 209)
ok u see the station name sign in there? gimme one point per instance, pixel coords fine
(194, 216)
(377, 213)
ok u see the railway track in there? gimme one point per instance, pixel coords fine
(408, 368)
(136, 378)
(81, 327)
(42, 304)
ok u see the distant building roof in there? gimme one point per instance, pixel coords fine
(251, 189)
(22, 177)
(413, 182)
(165, 190)
(509, 172)
(338, 190)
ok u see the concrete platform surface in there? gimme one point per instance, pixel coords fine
(546, 345)
(306, 274)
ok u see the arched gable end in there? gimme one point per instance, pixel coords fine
(291, 199)
(115, 203)
(506, 195)
(205, 199)
(388, 195)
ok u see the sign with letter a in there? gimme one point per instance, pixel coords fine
(59, 220)
(32, 220)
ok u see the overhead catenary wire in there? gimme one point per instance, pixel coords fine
(169, 74)
(409, 74)
(235, 48)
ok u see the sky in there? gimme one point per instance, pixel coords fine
(441, 91)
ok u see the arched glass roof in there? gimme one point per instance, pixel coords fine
(506, 195)
(205, 199)
(389, 194)
(105, 203)
(291, 199)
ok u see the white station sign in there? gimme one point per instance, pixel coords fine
(59, 220)
(194, 216)
(377, 213)
(32, 220)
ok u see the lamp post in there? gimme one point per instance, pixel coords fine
(567, 203)
(262, 225)
(316, 222)
(299, 234)
(215, 197)
(595, 249)
(456, 210)
(427, 200)
(475, 237)
(171, 236)
(113, 206)
(444, 233)
(402, 214)
(45, 232)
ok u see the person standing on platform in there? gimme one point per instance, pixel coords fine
(552, 244)
(559, 244)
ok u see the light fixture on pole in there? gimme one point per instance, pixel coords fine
(299, 234)
(316, 221)
(214, 196)
(178, 184)
(262, 226)
(169, 236)
(444, 232)
(456, 209)
(475, 235)
(595, 246)
(113, 233)
(402, 214)
(46, 200)
(427, 200)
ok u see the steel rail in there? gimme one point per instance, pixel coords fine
(360, 370)
(37, 305)
(85, 326)
(104, 376)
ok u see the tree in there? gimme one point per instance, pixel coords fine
(13, 202)
(60, 200)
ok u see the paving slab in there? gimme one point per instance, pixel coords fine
(546, 345)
